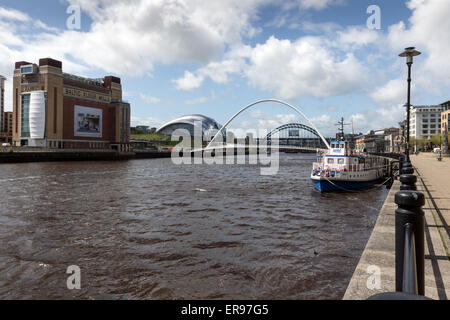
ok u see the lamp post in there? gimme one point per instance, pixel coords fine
(409, 53)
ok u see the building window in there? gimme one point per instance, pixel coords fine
(330, 160)
(433, 120)
(425, 132)
(55, 109)
(425, 126)
(25, 115)
(425, 120)
(28, 69)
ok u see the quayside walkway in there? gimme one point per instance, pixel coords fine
(378, 258)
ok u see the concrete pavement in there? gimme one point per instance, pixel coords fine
(375, 272)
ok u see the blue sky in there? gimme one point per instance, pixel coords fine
(184, 57)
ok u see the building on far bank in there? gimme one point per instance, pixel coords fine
(205, 125)
(60, 110)
(445, 105)
(2, 102)
(378, 141)
(425, 121)
(8, 123)
(6, 134)
(445, 121)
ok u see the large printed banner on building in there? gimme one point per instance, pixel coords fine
(87, 122)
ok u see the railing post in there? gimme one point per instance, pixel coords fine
(408, 182)
(409, 211)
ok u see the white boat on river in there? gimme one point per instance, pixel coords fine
(342, 169)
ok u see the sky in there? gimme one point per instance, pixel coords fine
(329, 58)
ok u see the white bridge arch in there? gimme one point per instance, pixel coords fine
(264, 101)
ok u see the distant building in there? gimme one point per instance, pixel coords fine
(445, 121)
(2, 101)
(6, 134)
(205, 126)
(445, 105)
(425, 121)
(59, 110)
(391, 138)
(8, 123)
(143, 129)
(372, 143)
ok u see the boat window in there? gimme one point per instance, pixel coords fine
(341, 161)
(330, 160)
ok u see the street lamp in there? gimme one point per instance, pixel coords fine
(409, 53)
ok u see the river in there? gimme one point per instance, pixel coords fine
(150, 229)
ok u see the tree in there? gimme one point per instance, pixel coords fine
(437, 139)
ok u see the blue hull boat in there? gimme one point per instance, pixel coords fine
(333, 186)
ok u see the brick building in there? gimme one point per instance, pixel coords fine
(58, 110)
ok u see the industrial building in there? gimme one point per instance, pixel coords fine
(58, 110)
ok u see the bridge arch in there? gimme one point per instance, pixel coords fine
(292, 126)
(265, 101)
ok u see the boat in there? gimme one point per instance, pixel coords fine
(340, 168)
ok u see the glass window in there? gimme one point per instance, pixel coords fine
(425, 126)
(433, 120)
(330, 161)
(341, 161)
(425, 131)
(26, 69)
(425, 120)
(25, 115)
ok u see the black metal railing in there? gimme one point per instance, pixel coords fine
(409, 262)
(409, 241)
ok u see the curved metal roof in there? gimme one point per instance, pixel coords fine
(206, 122)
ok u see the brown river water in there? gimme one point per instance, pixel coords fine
(149, 229)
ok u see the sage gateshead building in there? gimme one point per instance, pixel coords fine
(58, 110)
(206, 127)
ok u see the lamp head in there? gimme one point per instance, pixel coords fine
(409, 53)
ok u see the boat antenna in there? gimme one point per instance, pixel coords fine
(341, 125)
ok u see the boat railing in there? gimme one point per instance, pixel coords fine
(318, 166)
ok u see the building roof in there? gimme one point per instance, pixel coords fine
(206, 122)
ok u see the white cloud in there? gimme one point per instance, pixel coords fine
(12, 14)
(149, 99)
(318, 4)
(378, 118)
(189, 81)
(428, 31)
(393, 92)
(129, 37)
(304, 67)
(146, 121)
(357, 36)
(307, 66)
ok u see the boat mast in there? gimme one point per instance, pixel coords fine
(341, 125)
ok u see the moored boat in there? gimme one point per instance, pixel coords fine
(342, 169)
